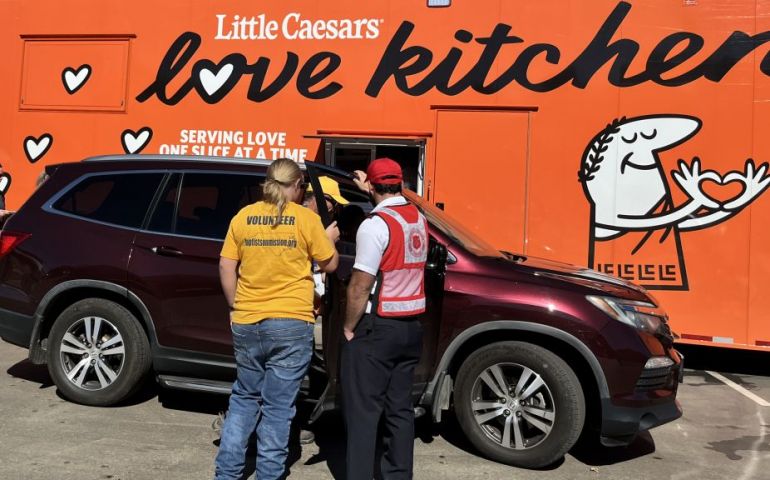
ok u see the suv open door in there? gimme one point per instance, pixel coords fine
(335, 298)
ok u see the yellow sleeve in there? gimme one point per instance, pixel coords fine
(231, 249)
(319, 246)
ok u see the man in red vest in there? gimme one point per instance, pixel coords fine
(383, 335)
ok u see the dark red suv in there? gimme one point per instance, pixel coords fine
(109, 271)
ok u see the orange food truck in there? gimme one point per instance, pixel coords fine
(626, 136)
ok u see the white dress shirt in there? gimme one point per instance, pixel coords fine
(372, 238)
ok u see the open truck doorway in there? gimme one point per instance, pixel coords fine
(351, 152)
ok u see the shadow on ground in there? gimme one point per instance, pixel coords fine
(329, 433)
(198, 402)
(30, 372)
(590, 451)
(329, 430)
(147, 391)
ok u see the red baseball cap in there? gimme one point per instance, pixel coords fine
(384, 171)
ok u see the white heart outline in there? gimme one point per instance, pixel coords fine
(71, 77)
(5, 182)
(36, 147)
(135, 141)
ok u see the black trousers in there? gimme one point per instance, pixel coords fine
(376, 375)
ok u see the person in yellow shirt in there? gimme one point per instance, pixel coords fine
(265, 270)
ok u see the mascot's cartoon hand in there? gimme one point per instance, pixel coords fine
(689, 177)
(754, 182)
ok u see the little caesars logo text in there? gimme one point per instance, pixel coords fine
(294, 27)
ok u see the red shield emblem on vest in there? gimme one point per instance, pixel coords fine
(415, 244)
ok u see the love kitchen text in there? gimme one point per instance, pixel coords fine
(416, 70)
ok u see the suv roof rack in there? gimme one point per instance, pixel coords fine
(175, 158)
(204, 159)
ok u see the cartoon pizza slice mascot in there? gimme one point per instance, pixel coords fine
(636, 218)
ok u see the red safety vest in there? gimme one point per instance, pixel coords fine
(401, 279)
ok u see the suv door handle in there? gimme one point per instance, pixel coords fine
(166, 251)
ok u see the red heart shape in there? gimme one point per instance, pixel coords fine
(722, 192)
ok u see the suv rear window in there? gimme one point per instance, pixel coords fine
(206, 203)
(119, 199)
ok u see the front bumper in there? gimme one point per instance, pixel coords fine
(646, 409)
(620, 425)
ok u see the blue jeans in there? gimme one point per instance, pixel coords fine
(272, 357)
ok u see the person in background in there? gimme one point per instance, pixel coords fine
(332, 194)
(382, 331)
(265, 273)
(334, 200)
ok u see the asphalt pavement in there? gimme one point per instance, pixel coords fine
(724, 434)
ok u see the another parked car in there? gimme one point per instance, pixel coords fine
(109, 272)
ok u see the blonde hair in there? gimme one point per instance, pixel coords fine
(281, 173)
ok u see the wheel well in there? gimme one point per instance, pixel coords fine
(569, 354)
(56, 306)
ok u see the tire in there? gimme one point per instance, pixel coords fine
(101, 372)
(558, 405)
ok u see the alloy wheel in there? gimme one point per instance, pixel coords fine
(92, 353)
(513, 406)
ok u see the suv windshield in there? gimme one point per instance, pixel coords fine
(438, 218)
(452, 228)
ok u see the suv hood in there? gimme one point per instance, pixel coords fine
(584, 277)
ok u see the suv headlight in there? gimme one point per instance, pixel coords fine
(642, 315)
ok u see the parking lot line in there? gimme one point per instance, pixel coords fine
(759, 400)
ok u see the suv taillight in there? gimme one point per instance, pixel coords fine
(10, 240)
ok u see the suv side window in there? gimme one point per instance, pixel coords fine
(351, 216)
(119, 199)
(205, 204)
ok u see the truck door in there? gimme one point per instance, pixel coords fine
(481, 164)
